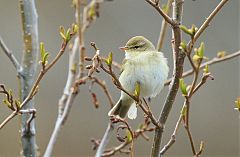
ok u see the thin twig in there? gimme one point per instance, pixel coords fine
(209, 19)
(159, 9)
(102, 84)
(172, 139)
(210, 62)
(10, 55)
(163, 29)
(36, 83)
(106, 137)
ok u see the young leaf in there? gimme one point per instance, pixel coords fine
(183, 87)
(62, 32)
(183, 46)
(237, 102)
(129, 135)
(75, 28)
(184, 111)
(137, 89)
(109, 59)
(200, 50)
(68, 34)
(221, 54)
(186, 30)
(206, 69)
(42, 49)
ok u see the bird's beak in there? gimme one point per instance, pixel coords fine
(123, 48)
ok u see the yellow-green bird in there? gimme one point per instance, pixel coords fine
(143, 64)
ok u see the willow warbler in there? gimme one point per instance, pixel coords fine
(142, 64)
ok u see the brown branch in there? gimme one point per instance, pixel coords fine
(35, 85)
(159, 9)
(210, 62)
(163, 29)
(102, 84)
(209, 19)
(178, 58)
(172, 139)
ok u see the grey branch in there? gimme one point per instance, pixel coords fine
(10, 55)
(63, 100)
(105, 140)
(178, 58)
(210, 62)
(29, 20)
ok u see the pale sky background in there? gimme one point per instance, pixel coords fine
(213, 119)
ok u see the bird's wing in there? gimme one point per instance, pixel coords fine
(122, 67)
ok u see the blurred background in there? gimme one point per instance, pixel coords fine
(213, 119)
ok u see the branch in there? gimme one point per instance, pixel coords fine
(106, 137)
(163, 29)
(178, 58)
(209, 19)
(10, 55)
(38, 80)
(210, 62)
(159, 9)
(29, 19)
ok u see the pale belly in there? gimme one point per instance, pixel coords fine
(151, 77)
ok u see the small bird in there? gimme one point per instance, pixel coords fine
(144, 65)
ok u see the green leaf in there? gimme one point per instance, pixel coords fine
(9, 105)
(183, 45)
(42, 49)
(194, 29)
(109, 59)
(186, 30)
(237, 103)
(183, 87)
(75, 28)
(68, 34)
(221, 54)
(62, 32)
(17, 104)
(196, 58)
(200, 50)
(129, 135)
(137, 89)
(206, 69)
(45, 57)
(184, 111)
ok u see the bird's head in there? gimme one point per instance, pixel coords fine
(137, 45)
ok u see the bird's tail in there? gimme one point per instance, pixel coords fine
(122, 108)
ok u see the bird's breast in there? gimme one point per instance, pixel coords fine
(150, 71)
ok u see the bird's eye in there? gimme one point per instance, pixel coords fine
(136, 47)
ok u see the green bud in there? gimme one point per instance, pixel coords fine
(137, 89)
(237, 103)
(129, 136)
(184, 111)
(109, 59)
(183, 87)
(68, 34)
(186, 30)
(62, 32)
(206, 69)
(183, 45)
(221, 54)
(75, 28)
(196, 58)
(200, 50)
